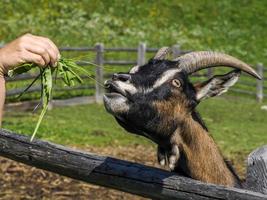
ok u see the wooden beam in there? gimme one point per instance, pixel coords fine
(141, 54)
(99, 91)
(113, 173)
(257, 170)
(259, 93)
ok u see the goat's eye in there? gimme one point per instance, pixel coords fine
(176, 83)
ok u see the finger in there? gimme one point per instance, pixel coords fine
(33, 58)
(54, 52)
(161, 156)
(173, 157)
(29, 42)
(51, 43)
(53, 56)
(37, 48)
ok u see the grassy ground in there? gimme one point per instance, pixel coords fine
(79, 125)
(237, 124)
(236, 27)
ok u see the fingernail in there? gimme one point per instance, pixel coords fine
(58, 56)
(55, 64)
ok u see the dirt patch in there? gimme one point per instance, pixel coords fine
(18, 181)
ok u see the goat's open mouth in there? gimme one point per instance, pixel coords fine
(114, 99)
(113, 90)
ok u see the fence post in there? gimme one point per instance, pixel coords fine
(99, 72)
(259, 93)
(209, 72)
(141, 57)
(257, 170)
(176, 51)
(50, 103)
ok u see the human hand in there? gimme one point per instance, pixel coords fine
(28, 48)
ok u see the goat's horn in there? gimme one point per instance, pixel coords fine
(195, 61)
(162, 53)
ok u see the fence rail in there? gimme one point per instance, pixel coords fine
(141, 52)
(128, 176)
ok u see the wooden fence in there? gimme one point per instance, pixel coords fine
(252, 87)
(131, 177)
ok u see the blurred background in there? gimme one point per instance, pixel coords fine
(116, 35)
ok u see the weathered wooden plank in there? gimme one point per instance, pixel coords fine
(110, 172)
(259, 94)
(126, 49)
(247, 83)
(21, 77)
(141, 54)
(120, 62)
(77, 49)
(30, 105)
(176, 51)
(242, 91)
(18, 91)
(73, 101)
(99, 73)
(257, 170)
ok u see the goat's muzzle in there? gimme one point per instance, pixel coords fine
(112, 87)
(114, 99)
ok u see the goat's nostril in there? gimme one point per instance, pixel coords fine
(115, 76)
(121, 77)
(124, 77)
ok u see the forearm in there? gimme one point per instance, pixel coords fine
(2, 97)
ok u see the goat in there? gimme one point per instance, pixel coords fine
(158, 101)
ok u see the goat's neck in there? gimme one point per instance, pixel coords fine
(201, 156)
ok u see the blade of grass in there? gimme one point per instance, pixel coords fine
(86, 72)
(46, 95)
(29, 86)
(39, 122)
(67, 69)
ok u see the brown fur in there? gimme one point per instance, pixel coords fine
(203, 159)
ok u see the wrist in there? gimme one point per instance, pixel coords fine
(2, 79)
(3, 71)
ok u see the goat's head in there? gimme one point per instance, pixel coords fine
(148, 99)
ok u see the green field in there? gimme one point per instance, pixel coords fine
(236, 27)
(236, 127)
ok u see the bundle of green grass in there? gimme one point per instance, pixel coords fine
(66, 69)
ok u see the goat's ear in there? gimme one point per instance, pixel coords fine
(216, 85)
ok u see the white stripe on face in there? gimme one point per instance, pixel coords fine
(124, 86)
(134, 69)
(165, 77)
